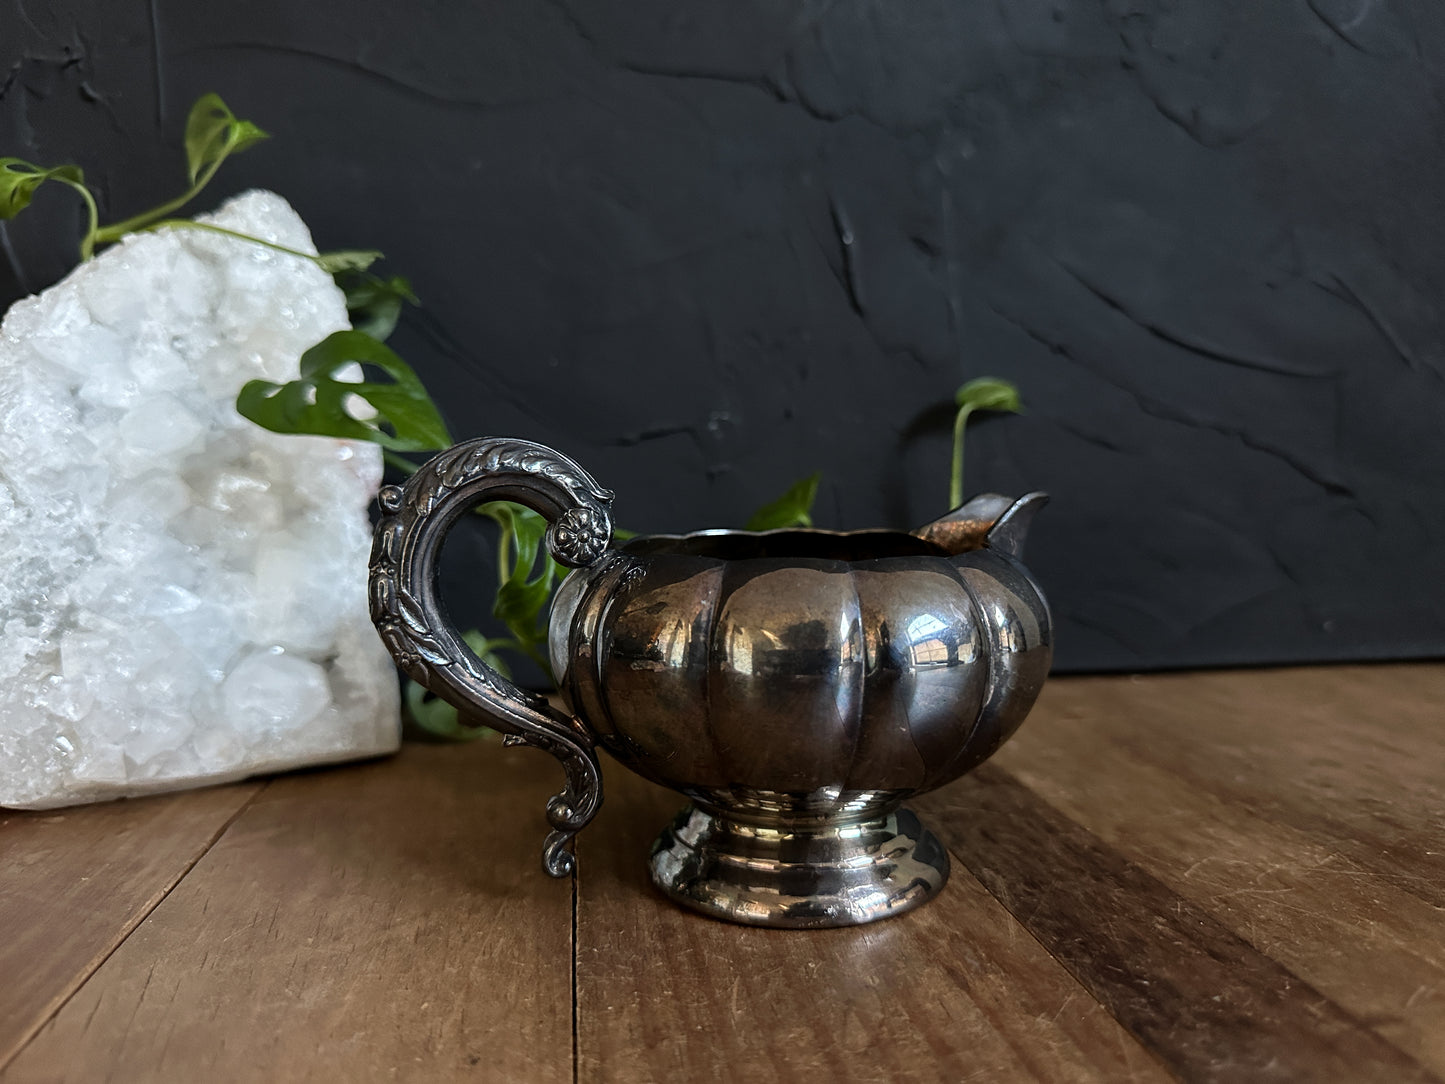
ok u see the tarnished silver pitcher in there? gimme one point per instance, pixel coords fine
(795, 685)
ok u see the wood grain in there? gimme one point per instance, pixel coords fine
(1212, 877)
(385, 921)
(75, 882)
(1299, 808)
(953, 992)
(1207, 1003)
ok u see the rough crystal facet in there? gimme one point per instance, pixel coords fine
(184, 594)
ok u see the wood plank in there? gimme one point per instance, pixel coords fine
(75, 882)
(1300, 808)
(1206, 1002)
(377, 921)
(1353, 755)
(955, 991)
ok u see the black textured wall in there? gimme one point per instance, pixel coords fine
(706, 248)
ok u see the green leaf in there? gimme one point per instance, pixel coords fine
(19, 180)
(213, 132)
(320, 404)
(357, 259)
(374, 304)
(793, 509)
(528, 530)
(519, 604)
(989, 393)
(527, 579)
(523, 596)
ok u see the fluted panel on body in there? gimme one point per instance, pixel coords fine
(654, 673)
(1019, 634)
(785, 683)
(926, 671)
(576, 623)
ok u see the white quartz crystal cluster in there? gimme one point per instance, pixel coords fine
(182, 594)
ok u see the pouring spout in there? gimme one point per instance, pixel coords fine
(990, 519)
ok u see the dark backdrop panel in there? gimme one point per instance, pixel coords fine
(707, 248)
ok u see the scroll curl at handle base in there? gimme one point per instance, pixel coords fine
(408, 614)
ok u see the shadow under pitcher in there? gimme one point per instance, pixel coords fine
(795, 685)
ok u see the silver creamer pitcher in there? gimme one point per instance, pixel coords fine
(795, 685)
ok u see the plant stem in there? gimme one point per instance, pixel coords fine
(206, 227)
(504, 555)
(955, 481)
(118, 230)
(87, 243)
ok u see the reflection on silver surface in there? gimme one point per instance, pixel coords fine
(834, 875)
(797, 686)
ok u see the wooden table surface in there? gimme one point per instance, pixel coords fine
(1219, 876)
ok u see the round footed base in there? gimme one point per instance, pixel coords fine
(795, 878)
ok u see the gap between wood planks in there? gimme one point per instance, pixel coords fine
(123, 932)
(1037, 847)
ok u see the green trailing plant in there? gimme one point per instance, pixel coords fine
(213, 134)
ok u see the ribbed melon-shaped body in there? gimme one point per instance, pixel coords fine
(801, 673)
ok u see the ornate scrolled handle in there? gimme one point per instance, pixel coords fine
(413, 624)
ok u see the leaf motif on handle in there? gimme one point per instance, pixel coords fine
(411, 614)
(430, 651)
